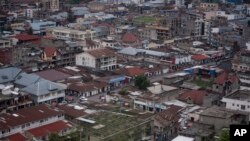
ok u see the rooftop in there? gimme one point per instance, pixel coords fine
(50, 128)
(243, 95)
(23, 116)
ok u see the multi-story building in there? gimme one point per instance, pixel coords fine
(5, 43)
(98, 59)
(44, 91)
(156, 33)
(52, 5)
(239, 100)
(242, 61)
(27, 118)
(39, 27)
(71, 34)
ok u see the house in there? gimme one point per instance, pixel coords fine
(91, 45)
(200, 59)
(25, 38)
(5, 43)
(9, 74)
(71, 113)
(225, 83)
(198, 97)
(239, 100)
(220, 117)
(49, 53)
(61, 128)
(199, 132)
(67, 33)
(53, 75)
(44, 91)
(24, 79)
(27, 118)
(131, 72)
(87, 89)
(98, 59)
(39, 27)
(166, 122)
(129, 39)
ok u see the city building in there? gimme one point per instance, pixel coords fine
(98, 59)
(71, 34)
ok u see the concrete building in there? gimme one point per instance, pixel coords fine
(45, 91)
(223, 118)
(98, 59)
(71, 34)
(39, 27)
(5, 43)
(239, 100)
(52, 5)
(28, 118)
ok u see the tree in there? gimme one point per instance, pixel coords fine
(30, 31)
(54, 137)
(142, 82)
(124, 91)
(224, 136)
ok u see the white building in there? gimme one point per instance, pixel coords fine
(248, 11)
(39, 26)
(71, 34)
(5, 43)
(179, 3)
(233, 16)
(27, 118)
(239, 100)
(98, 59)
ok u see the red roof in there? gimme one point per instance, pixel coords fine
(26, 37)
(23, 116)
(196, 96)
(135, 71)
(169, 115)
(49, 128)
(50, 51)
(199, 57)
(129, 38)
(16, 137)
(223, 77)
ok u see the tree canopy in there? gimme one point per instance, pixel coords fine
(142, 82)
(224, 136)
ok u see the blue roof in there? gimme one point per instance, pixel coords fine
(25, 79)
(9, 74)
(42, 87)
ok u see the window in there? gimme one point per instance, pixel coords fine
(238, 105)
(243, 107)
(233, 104)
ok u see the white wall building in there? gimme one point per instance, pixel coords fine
(99, 59)
(239, 100)
(71, 34)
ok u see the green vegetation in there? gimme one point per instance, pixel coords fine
(203, 84)
(224, 136)
(115, 127)
(142, 82)
(144, 19)
(54, 137)
(30, 31)
(124, 91)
